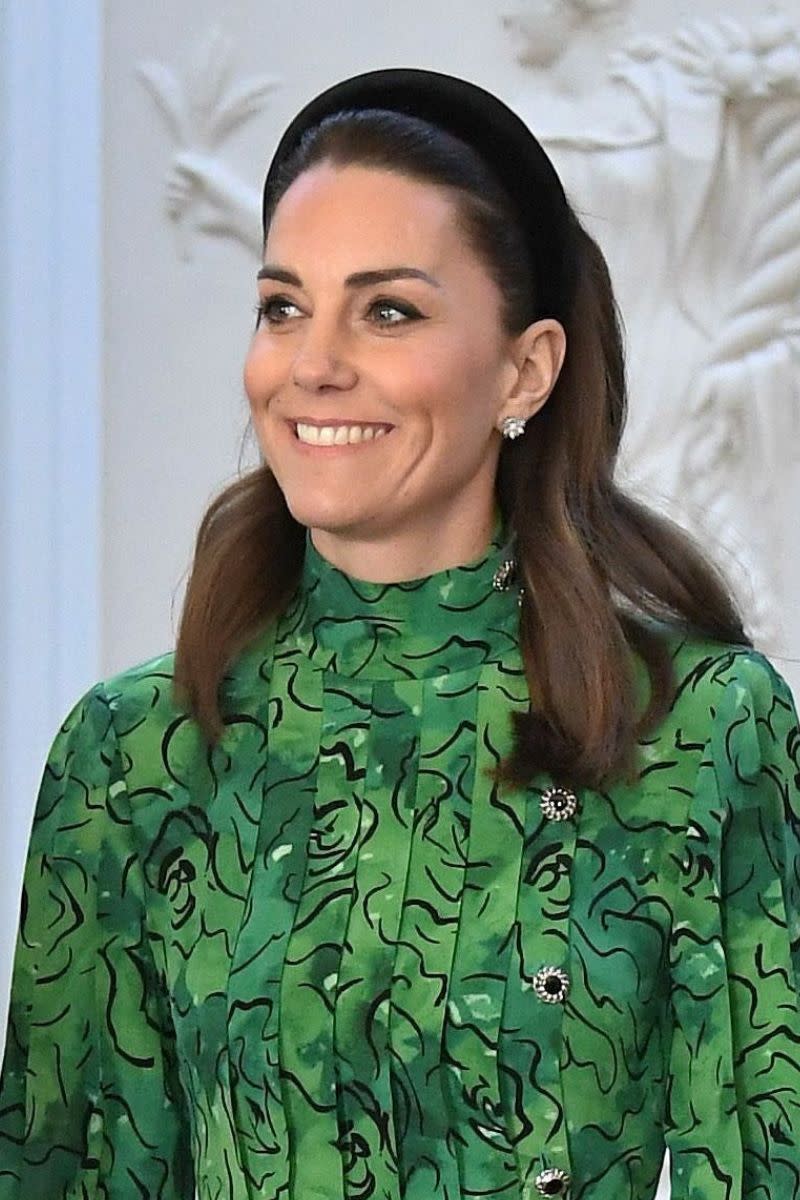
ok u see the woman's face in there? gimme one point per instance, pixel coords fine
(378, 371)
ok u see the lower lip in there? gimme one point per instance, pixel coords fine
(351, 446)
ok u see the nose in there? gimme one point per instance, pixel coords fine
(321, 360)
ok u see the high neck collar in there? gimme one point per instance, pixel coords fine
(452, 620)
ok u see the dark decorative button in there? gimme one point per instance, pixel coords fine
(551, 984)
(559, 804)
(552, 1182)
(501, 580)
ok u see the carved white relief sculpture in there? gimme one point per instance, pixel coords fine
(202, 191)
(682, 154)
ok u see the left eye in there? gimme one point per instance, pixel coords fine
(392, 312)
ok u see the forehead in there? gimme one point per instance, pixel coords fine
(335, 204)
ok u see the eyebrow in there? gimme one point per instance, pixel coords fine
(356, 280)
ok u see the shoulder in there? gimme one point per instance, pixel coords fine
(85, 753)
(145, 713)
(91, 723)
(730, 709)
(144, 691)
(709, 674)
(713, 677)
(734, 703)
(81, 794)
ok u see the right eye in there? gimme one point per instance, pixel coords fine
(273, 310)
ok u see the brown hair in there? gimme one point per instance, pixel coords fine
(596, 565)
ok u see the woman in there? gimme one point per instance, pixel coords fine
(454, 853)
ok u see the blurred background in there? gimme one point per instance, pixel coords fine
(134, 143)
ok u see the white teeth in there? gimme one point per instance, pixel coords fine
(338, 435)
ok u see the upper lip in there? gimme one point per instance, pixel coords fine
(334, 422)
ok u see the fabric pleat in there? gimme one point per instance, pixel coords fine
(255, 1024)
(481, 963)
(362, 999)
(429, 924)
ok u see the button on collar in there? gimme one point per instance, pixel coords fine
(501, 580)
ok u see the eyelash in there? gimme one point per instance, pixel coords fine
(408, 311)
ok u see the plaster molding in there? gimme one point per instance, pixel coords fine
(200, 111)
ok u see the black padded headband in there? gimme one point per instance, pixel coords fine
(494, 131)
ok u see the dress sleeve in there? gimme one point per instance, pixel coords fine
(90, 1103)
(733, 1113)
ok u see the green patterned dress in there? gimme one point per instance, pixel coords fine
(330, 960)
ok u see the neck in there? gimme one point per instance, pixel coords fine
(414, 552)
(437, 624)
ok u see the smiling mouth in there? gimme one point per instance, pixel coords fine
(338, 435)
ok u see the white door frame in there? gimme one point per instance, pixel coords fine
(50, 397)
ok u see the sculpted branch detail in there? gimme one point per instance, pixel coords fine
(200, 115)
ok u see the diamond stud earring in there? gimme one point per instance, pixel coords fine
(513, 427)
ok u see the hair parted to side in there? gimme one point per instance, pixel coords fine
(595, 564)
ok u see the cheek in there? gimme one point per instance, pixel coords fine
(261, 373)
(251, 375)
(441, 374)
(461, 386)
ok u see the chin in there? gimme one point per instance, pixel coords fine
(329, 518)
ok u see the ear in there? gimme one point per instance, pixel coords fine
(537, 356)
